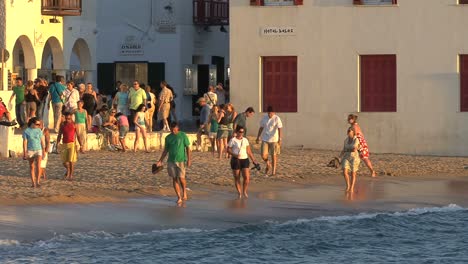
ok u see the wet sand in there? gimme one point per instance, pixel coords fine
(114, 176)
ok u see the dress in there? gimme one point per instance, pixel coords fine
(351, 158)
(364, 149)
(89, 103)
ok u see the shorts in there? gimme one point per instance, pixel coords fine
(271, 148)
(34, 153)
(69, 152)
(239, 164)
(123, 130)
(222, 134)
(44, 161)
(176, 170)
(164, 113)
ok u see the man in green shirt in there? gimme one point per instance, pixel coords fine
(177, 145)
(20, 104)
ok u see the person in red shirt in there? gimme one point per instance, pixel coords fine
(67, 134)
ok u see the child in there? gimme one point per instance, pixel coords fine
(122, 123)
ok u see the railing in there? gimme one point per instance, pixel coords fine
(211, 12)
(61, 7)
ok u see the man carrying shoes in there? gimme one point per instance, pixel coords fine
(177, 145)
(270, 132)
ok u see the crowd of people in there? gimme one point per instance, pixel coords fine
(81, 110)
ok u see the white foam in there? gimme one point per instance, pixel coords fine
(9, 242)
(361, 216)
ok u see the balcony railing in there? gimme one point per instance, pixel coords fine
(61, 7)
(211, 12)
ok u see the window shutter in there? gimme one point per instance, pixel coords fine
(256, 2)
(298, 2)
(280, 83)
(378, 83)
(394, 2)
(463, 2)
(357, 2)
(464, 83)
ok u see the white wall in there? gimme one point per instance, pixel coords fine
(426, 35)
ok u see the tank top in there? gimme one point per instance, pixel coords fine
(141, 119)
(214, 125)
(80, 118)
(68, 131)
(29, 97)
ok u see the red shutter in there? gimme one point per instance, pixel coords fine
(357, 2)
(280, 83)
(378, 83)
(464, 83)
(298, 2)
(256, 2)
(394, 2)
(463, 2)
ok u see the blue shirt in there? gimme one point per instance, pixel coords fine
(56, 90)
(33, 136)
(204, 115)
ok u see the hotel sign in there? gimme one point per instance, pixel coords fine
(131, 47)
(278, 31)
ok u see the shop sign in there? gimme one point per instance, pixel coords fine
(278, 31)
(131, 47)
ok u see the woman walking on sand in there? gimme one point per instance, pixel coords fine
(240, 152)
(34, 149)
(140, 127)
(364, 149)
(350, 159)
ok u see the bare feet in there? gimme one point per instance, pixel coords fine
(246, 195)
(179, 201)
(239, 196)
(374, 174)
(185, 198)
(268, 167)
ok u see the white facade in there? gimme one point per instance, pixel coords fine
(120, 32)
(427, 37)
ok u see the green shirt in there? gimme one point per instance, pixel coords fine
(80, 118)
(19, 93)
(136, 98)
(175, 145)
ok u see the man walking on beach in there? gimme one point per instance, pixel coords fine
(67, 134)
(177, 145)
(56, 90)
(270, 131)
(241, 119)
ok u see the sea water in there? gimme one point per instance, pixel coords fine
(421, 235)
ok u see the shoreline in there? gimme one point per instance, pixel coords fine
(103, 176)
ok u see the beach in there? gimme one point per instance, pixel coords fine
(104, 176)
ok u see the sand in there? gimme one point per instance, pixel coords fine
(104, 176)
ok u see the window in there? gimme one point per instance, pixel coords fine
(463, 2)
(376, 2)
(276, 2)
(280, 83)
(378, 83)
(463, 83)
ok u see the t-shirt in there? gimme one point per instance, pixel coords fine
(204, 115)
(211, 99)
(221, 94)
(33, 136)
(123, 120)
(97, 120)
(68, 131)
(122, 98)
(19, 93)
(175, 145)
(270, 128)
(241, 120)
(137, 97)
(239, 147)
(56, 91)
(72, 97)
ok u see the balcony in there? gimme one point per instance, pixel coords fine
(375, 2)
(61, 7)
(211, 12)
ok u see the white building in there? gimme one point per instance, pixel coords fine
(151, 40)
(402, 66)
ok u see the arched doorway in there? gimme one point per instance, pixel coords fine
(80, 62)
(52, 62)
(23, 58)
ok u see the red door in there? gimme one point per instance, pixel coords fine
(280, 83)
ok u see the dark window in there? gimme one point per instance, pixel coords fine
(378, 83)
(280, 83)
(463, 2)
(464, 83)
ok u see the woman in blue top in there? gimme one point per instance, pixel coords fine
(34, 149)
(140, 127)
(121, 100)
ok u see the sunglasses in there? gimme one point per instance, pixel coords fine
(241, 131)
(37, 124)
(113, 112)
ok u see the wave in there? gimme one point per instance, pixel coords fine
(361, 216)
(57, 240)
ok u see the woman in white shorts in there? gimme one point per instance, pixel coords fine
(34, 149)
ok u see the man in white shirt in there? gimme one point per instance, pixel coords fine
(271, 132)
(72, 96)
(211, 97)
